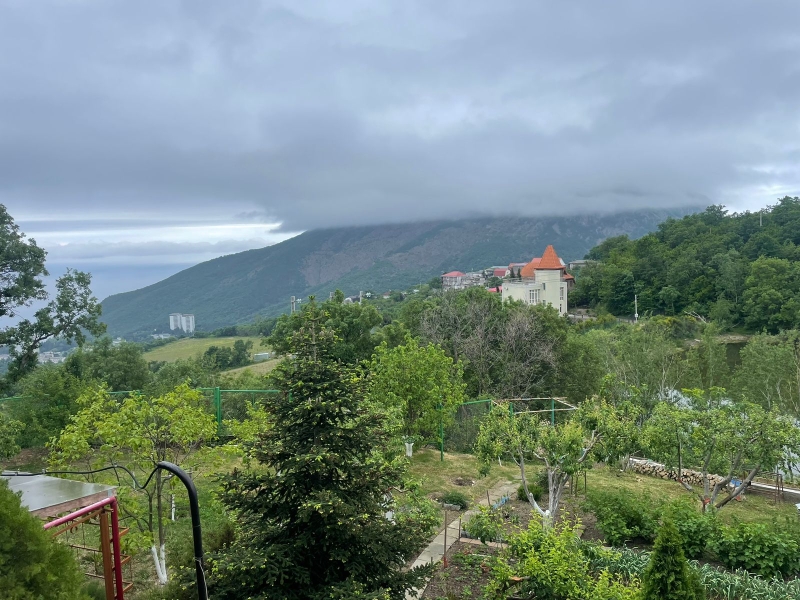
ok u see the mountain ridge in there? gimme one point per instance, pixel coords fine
(239, 287)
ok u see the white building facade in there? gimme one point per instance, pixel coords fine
(542, 281)
(181, 321)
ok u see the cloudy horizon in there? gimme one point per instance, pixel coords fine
(138, 139)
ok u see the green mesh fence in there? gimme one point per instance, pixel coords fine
(461, 435)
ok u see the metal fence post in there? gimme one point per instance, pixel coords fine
(552, 411)
(441, 434)
(218, 406)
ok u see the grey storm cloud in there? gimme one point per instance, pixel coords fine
(350, 112)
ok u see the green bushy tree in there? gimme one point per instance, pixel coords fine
(312, 516)
(421, 382)
(138, 432)
(33, 565)
(667, 576)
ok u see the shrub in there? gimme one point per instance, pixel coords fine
(667, 576)
(457, 498)
(550, 564)
(696, 528)
(32, 564)
(534, 488)
(767, 550)
(486, 525)
(623, 516)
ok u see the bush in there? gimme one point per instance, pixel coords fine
(486, 526)
(696, 528)
(534, 488)
(551, 564)
(457, 498)
(667, 576)
(767, 550)
(32, 564)
(623, 516)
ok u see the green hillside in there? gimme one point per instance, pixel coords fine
(741, 270)
(239, 287)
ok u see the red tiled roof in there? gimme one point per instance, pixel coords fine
(550, 259)
(500, 272)
(495, 290)
(528, 270)
(569, 277)
(453, 274)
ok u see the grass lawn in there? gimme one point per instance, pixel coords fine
(191, 347)
(754, 507)
(439, 477)
(259, 368)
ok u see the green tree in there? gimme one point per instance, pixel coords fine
(769, 373)
(9, 431)
(120, 367)
(667, 576)
(72, 311)
(771, 295)
(422, 382)
(49, 397)
(721, 438)
(564, 448)
(32, 564)
(241, 353)
(138, 432)
(353, 324)
(312, 516)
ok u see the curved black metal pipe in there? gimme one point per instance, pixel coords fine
(194, 506)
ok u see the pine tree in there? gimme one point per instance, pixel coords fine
(668, 576)
(312, 518)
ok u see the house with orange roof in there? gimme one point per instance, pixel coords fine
(544, 280)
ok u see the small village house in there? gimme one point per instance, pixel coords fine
(544, 280)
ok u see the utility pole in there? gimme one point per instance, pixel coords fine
(360, 296)
(635, 308)
(294, 304)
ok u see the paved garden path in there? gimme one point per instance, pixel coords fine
(436, 549)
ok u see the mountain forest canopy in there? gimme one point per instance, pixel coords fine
(739, 270)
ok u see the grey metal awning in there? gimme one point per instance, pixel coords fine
(46, 496)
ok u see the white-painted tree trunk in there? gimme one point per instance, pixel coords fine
(160, 562)
(409, 449)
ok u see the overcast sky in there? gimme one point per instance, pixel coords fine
(137, 138)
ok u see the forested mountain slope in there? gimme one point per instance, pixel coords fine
(240, 287)
(737, 269)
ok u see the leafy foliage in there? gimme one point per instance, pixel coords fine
(72, 312)
(138, 432)
(667, 576)
(457, 498)
(551, 564)
(353, 324)
(421, 382)
(312, 517)
(720, 437)
(624, 517)
(767, 550)
(564, 448)
(730, 268)
(32, 564)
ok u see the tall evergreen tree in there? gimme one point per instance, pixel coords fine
(668, 576)
(312, 518)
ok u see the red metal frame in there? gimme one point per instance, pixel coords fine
(115, 536)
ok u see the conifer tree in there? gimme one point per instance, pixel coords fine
(668, 576)
(312, 517)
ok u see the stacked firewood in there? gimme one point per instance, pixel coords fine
(654, 469)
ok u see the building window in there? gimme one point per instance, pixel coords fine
(533, 297)
(560, 308)
(561, 297)
(544, 286)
